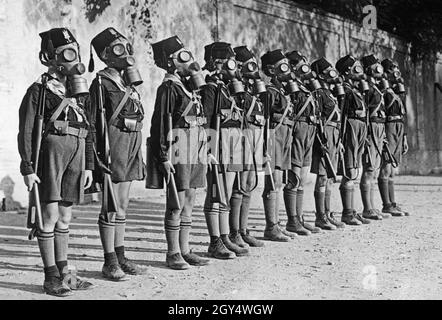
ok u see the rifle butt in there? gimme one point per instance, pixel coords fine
(174, 200)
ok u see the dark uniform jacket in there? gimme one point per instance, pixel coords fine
(376, 104)
(328, 106)
(354, 105)
(179, 99)
(231, 113)
(277, 101)
(27, 114)
(395, 106)
(299, 99)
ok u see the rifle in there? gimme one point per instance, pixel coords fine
(108, 199)
(320, 136)
(341, 158)
(388, 156)
(35, 218)
(172, 192)
(217, 194)
(268, 167)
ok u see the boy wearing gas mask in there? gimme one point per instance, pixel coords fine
(330, 115)
(353, 134)
(278, 106)
(180, 98)
(66, 158)
(124, 114)
(218, 102)
(396, 136)
(253, 131)
(371, 159)
(305, 114)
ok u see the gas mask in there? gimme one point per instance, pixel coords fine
(376, 71)
(394, 76)
(249, 69)
(304, 72)
(282, 70)
(186, 66)
(119, 55)
(356, 72)
(67, 62)
(330, 76)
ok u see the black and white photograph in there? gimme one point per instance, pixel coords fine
(230, 153)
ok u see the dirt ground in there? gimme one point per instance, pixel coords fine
(397, 258)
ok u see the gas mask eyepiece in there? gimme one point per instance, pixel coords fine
(119, 49)
(231, 64)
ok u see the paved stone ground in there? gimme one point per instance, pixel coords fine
(398, 258)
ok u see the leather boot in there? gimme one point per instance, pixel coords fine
(250, 240)
(322, 222)
(218, 250)
(233, 247)
(272, 232)
(331, 218)
(236, 238)
(294, 224)
(300, 213)
(348, 217)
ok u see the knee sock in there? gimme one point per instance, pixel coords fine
(120, 228)
(391, 191)
(172, 229)
(327, 200)
(107, 234)
(244, 213)
(269, 199)
(185, 226)
(46, 246)
(235, 211)
(346, 197)
(366, 195)
(51, 272)
(224, 221)
(383, 190)
(320, 201)
(290, 197)
(299, 202)
(212, 221)
(61, 240)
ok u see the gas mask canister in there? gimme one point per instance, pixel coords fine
(68, 62)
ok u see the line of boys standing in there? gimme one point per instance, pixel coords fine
(227, 128)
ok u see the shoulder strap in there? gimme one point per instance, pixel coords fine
(64, 103)
(306, 103)
(393, 100)
(120, 105)
(252, 106)
(284, 115)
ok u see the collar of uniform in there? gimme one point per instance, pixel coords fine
(54, 85)
(177, 80)
(115, 76)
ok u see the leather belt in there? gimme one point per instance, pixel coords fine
(333, 124)
(394, 118)
(285, 121)
(377, 120)
(310, 119)
(358, 118)
(76, 132)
